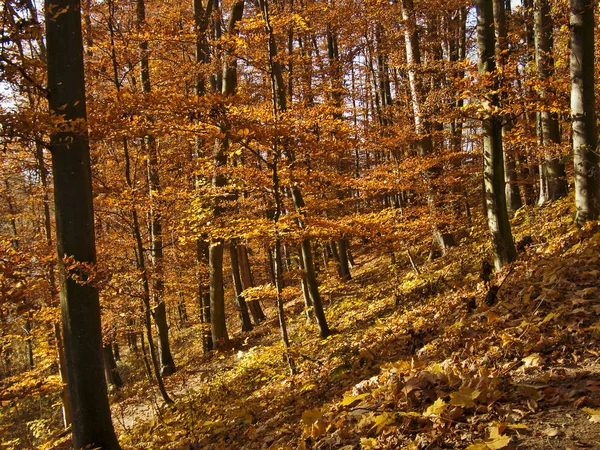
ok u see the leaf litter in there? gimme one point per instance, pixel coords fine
(412, 364)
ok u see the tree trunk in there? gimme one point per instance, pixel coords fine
(217, 296)
(493, 172)
(62, 371)
(280, 105)
(159, 314)
(305, 293)
(218, 326)
(154, 190)
(75, 236)
(553, 178)
(583, 114)
(237, 287)
(110, 367)
(513, 194)
(247, 282)
(343, 259)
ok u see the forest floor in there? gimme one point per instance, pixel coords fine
(417, 361)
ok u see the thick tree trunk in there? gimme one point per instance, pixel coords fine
(80, 306)
(583, 114)
(218, 326)
(493, 172)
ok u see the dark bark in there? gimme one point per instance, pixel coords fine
(159, 314)
(280, 105)
(247, 282)
(513, 194)
(110, 367)
(154, 190)
(218, 326)
(553, 178)
(80, 306)
(493, 172)
(228, 84)
(237, 287)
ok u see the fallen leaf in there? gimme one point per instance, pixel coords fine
(438, 407)
(533, 360)
(496, 439)
(594, 414)
(382, 421)
(551, 432)
(587, 292)
(464, 397)
(367, 443)
(347, 401)
(311, 416)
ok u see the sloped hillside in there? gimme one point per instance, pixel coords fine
(428, 360)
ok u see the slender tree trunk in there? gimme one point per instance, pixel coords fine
(280, 105)
(344, 260)
(220, 338)
(553, 178)
(110, 367)
(513, 194)
(247, 282)
(75, 236)
(62, 371)
(583, 114)
(493, 172)
(237, 287)
(154, 189)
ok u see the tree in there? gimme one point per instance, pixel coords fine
(513, 195)
(74, 213)
(553, 179)
(167, 365)
(493, 161)
(583, 114)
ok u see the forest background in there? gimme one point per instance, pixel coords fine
(283, 144)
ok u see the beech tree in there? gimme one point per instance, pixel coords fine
(493, 159)
(583, 113)
(69, 146)
(553, 179)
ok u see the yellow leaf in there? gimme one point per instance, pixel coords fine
(438, 407)
(594, 414)
(595, 327)
(409, 414)
(464, 397)
(311, 416)
(367, 443)
(496, 439)
(479, 446)
(347, 401)
(382, 421)
(549, 317)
